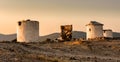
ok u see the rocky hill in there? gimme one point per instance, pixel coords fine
(7, 37)
(73, 51)
(116, 34)
(76, 34)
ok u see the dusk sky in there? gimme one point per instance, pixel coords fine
(53, 13)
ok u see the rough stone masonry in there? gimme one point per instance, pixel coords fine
(66, 32)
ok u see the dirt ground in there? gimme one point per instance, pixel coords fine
(74, 51)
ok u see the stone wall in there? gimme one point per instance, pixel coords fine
(27, 31)
(66, 32)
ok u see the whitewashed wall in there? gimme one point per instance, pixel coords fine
(27, 31)
(94, 31)
(108, 33)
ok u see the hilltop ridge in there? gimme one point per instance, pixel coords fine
(76, 34)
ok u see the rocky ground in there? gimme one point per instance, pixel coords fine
(74, 51)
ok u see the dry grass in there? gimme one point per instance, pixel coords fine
(73, 43)
(74, 51)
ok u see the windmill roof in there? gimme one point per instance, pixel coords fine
(94, 23)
